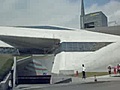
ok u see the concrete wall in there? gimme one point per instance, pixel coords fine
(57, 62)
(94, 61)
(67, 72)
(114, 30)
(21, 64)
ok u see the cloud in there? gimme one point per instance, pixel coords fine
(37, 12)
(51, 12)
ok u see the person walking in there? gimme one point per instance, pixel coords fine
(109, 70)
(83, 71)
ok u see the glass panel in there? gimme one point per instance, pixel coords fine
(82, 46)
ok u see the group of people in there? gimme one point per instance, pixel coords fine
(116, 69)
(83, 72)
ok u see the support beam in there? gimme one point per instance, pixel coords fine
(14, 73)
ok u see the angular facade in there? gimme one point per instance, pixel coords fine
(68, 49)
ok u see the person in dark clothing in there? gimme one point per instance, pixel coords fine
(109, 70)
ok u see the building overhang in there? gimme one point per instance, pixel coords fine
(29, 45)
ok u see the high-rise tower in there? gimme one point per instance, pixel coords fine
(82, 15)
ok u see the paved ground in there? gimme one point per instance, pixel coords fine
(104, 83)
(95, 86)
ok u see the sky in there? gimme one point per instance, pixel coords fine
(64, 13)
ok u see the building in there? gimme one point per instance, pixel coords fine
(63, 49)
(96, 19)
(92, 20)
(54, 52)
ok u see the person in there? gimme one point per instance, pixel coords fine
(109, 70)
(118, 68)
(83, 71)
(76, 74)
(115, 69)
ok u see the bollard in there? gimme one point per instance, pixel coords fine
(95, 79)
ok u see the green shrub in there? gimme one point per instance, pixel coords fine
(4, 70)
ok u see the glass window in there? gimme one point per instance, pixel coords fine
(82, 46)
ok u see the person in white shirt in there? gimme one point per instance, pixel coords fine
(83, 71)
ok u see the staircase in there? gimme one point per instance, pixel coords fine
(35, 67)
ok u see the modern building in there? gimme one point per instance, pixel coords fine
(54, 52)
(63, 49)
(92, 20)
